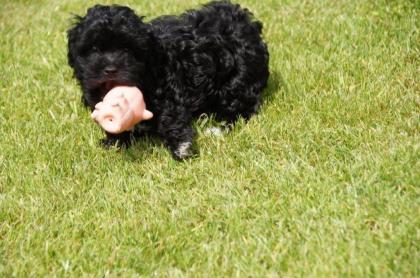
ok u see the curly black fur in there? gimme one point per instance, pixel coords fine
(211, 60)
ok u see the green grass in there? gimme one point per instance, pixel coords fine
(324, 181)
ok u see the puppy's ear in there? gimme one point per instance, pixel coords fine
(143, 35)
(72, 36)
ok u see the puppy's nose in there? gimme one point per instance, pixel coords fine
(110, 70)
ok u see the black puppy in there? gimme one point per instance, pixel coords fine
(211, 60)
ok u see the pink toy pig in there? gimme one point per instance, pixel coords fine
(121, 108)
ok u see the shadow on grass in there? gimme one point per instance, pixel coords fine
(275, 86)
(142, 148)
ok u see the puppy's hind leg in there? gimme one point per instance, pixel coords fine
(235, 104)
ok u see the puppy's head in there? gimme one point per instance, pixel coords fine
(108, 47)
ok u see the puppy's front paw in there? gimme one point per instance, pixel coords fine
(108, 143)
(183, 150)
(120, 143)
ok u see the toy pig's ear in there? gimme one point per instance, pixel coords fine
(147, 115)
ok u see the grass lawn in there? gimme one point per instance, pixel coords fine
(324, 181)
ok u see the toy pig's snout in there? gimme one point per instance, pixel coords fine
(121, 109)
